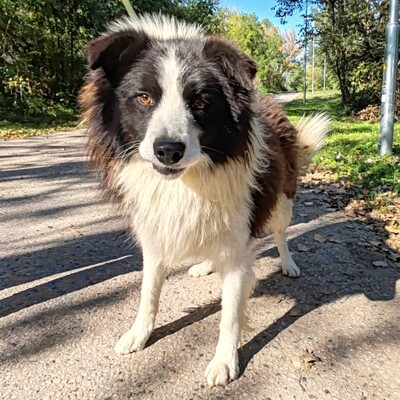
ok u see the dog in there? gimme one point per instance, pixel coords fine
(200, 163)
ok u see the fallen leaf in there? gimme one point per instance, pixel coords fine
(335, 240)
(329, 291)
(319, 238)
(295, 312)
(380, 263)
(350, 213)
(393, 228)
(297, 362)
(302, 247)
(75, 231)
(308, 203)
(306, 361)
(394, 256)
(375, 243)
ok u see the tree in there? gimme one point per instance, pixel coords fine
(260, 40)
(42, 44)
(351, 35)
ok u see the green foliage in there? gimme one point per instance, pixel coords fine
(352, 36)
(351, 149)
(356, 47)
(263, 42)
(53, 117)
(42, 45)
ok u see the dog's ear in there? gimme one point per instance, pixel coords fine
(116, 52)
(236, 65)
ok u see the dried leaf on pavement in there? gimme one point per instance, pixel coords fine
(306, 361)
(380, 264)
(319, 238)
(302, 247)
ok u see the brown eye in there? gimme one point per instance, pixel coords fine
(199, 104)
(145, 100)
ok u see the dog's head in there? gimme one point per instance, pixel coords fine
(161, 89)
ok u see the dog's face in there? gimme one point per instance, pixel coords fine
(172, 100)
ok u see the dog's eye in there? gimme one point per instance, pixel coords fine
(145, 100)
(199, 104)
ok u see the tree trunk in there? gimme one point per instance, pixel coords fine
(343, 84)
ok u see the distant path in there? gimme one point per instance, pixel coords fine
(284, 98)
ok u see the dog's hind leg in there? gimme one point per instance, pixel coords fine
(237, 284)
(204, 268)
(289, 267)
(136, 337)
(278, 223)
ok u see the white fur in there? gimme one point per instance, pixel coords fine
(202, 214)
(202, 269)
(277, 224)
(191, 216)
(157, 27)
(312, 132)
(153, 278)
(172, 118)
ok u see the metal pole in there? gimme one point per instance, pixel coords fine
(313, 65)
(305, 56)
(324, 73)
(129, 8)
(389, 80)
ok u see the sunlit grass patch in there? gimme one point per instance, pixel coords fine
(351, 149)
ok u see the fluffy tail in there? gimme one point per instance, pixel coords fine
(312, 132)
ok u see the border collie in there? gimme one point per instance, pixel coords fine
(200, 163)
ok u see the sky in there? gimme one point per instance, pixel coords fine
(262, 8)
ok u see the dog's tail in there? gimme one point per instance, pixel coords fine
(312, 132)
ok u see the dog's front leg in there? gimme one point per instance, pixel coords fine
(153, 278)
(237, 283)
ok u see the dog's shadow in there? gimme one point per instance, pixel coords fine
(324, 280)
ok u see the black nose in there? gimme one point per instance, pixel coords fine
(168, 151)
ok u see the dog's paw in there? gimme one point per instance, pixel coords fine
(221, 371)
(289, 268)
(202, 269)
(131, 341)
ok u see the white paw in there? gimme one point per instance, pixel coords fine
(220, 371)
(289, 268)
(132, 341)
(202, 269)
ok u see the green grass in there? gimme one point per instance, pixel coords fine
(17, 125)
(351, 149)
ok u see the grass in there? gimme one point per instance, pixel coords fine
(14, 125)
(351, 149)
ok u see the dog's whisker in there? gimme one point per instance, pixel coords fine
(212, 149)
(125, 153)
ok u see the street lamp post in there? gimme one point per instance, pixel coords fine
(389, 80)
(313, 65)
(305, 56)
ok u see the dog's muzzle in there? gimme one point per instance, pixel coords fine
(168, 152)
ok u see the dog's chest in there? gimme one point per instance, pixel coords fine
(186, 217)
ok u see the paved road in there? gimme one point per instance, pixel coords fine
(284, 98)
(69, 286)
